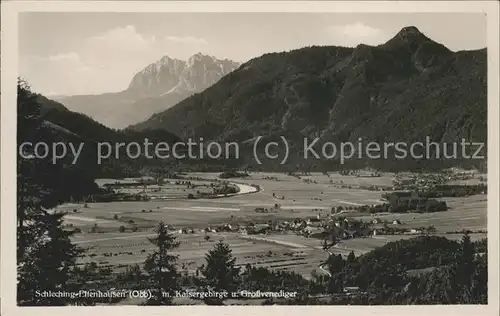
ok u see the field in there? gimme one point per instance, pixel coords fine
(297, 199)
(117, 249)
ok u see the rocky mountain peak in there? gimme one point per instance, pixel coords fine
(169, 75)
(408, 37)
(410, 31)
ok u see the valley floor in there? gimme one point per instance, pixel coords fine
(277, 250)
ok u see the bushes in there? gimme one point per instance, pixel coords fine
(233, 174)
(421, 206)
(121, 229)
(264, 279)
(94, 229)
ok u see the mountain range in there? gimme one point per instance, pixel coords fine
(157, 87)
(404, 90)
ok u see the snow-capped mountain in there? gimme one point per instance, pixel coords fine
(172, 75)
(158, 77)
(154, 89)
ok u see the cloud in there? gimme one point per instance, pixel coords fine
(123, 38)
(105, 62)
(101, 63)
(68, 60)
(187, 40)
(355, 34)
(47, 74)
(72, 57)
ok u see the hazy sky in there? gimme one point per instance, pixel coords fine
(89, 53)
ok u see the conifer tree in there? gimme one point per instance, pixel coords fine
(220, 272)
(351, 257)
(45, 254)
(161, 267)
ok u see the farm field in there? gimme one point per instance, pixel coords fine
(127, 249)
(275, 251)
(297, 199)
(170, 189)
(364, 245)
(464, 214)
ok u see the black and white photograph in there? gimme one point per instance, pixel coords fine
(275, 154)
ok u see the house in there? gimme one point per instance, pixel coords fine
(313, 220)
(351, 289)
(414, 231)
(315, 224)
(243, 231)
(311, 229)
(226, 228)
(375, 221)
(261, 228)
(299, 225)
(396, 222)
(349, 233)
(315, 232)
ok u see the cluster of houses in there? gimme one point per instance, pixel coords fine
(270, 178)
(313, 227)
(420, 182)
(310, 181)
(302, 226)
(307, 227)
(366, 173)
(310, 227)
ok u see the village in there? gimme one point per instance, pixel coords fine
(413, 193)
(277, 221)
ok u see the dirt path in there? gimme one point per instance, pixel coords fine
(274, 241)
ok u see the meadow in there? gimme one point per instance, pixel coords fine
(306, 197)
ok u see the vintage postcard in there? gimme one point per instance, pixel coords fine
(194, 155)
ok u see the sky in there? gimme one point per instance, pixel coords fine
(70, 53)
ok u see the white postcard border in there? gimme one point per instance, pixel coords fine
(9, 73)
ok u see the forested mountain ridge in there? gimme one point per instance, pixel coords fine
(404, 90)
(56, 123)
